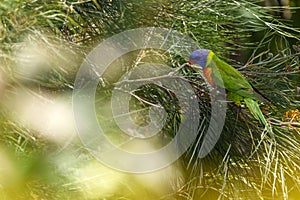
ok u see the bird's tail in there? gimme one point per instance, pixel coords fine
(255, 110)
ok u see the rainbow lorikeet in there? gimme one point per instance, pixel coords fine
(220, 74)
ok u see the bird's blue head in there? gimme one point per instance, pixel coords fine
(199, 57)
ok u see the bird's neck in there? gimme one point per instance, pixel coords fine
(210, 56)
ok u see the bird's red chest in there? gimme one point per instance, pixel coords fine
(207, 74)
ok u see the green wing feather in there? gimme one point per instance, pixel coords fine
(255, 110)
(237, 85)
(231, 79)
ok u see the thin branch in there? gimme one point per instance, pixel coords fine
(141, 99)
(273, 60)
(270, 73)
(179, 68)
(252, 59)
(277, 122)
(152, 79)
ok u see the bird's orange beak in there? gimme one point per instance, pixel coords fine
(195, 67)
(191, 62)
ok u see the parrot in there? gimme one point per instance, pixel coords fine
(220, 74)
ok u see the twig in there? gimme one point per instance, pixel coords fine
(141, 99)
(280, 123)
(179, 68)
(270, 73)
(274, 59)
(151, 79)
(252, 59)
(145, 101)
